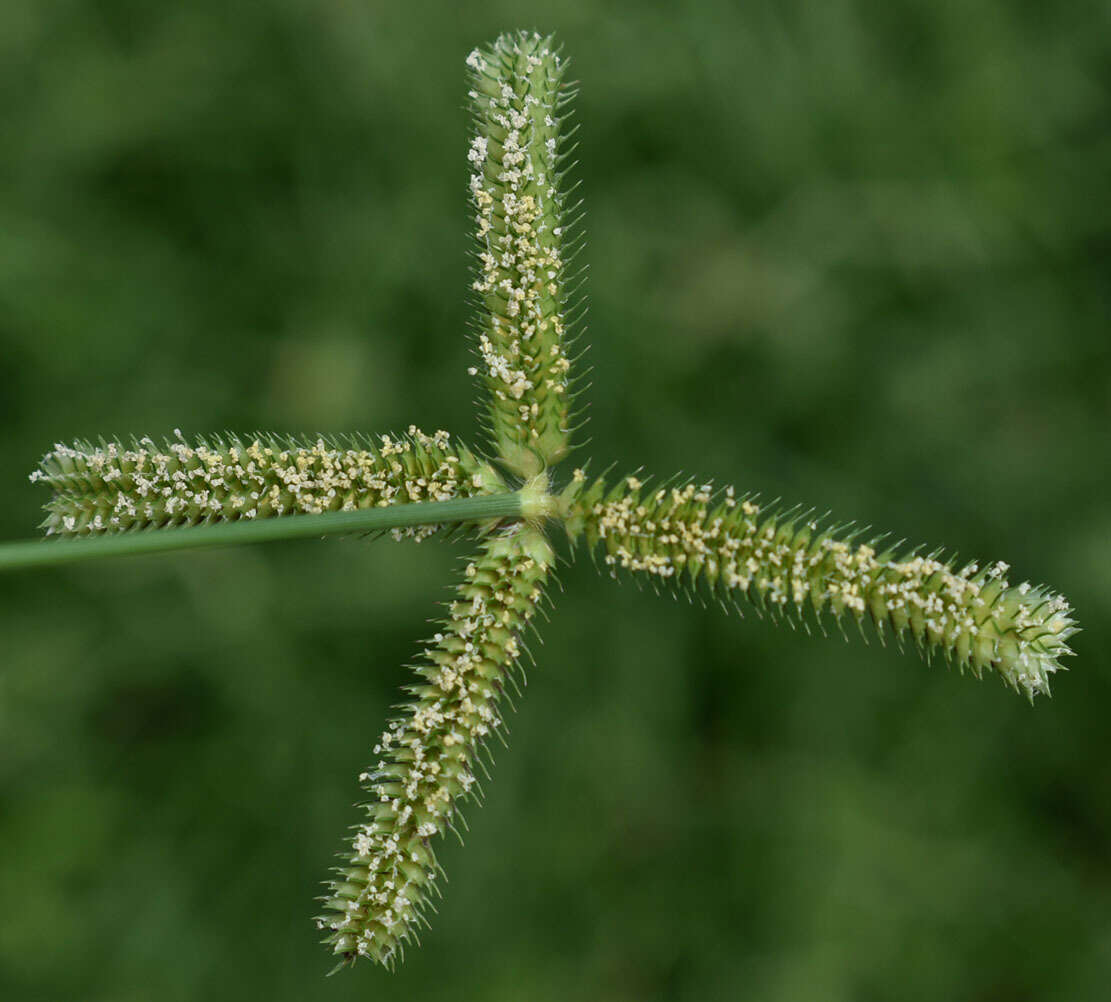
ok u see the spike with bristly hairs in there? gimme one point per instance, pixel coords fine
(426, 760)
(121, 488)
(515, 157)
(785, 562)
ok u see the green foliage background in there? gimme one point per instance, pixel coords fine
(854, 254)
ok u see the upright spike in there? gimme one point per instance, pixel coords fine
(515, 90)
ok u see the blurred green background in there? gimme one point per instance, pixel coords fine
(851, 254)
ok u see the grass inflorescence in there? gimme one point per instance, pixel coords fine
(677, 534)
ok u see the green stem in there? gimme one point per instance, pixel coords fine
(49, 553)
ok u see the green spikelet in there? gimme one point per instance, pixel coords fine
(516, 191)
(119, 488)
(427, 760)
(785, 563)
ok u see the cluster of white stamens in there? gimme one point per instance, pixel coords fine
(972, 615)
(426, 760)
(114, 488)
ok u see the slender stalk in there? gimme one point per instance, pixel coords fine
(50, 553)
